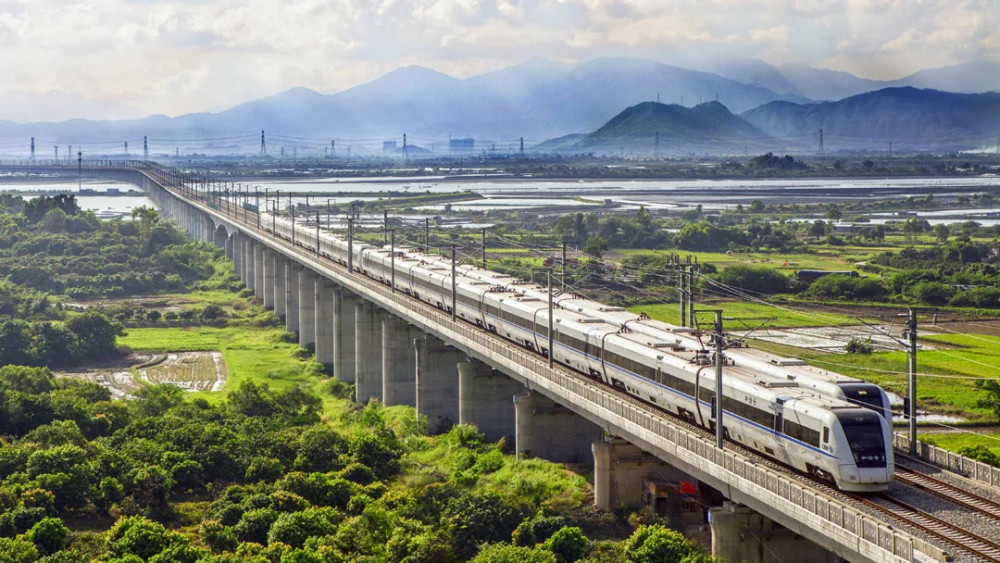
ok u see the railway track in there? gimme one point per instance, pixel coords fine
(949, 492)
(981, 549)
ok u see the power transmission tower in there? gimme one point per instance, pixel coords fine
(404, 145)
(657, 153)
(263, 144)
(522, 146)
(126, 148)
(145, 147)
(57, 153)
(32, 149)
(333, 149)
(821, 142)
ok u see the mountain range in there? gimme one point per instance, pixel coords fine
(910, 118)
(537, 100)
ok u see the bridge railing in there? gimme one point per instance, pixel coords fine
(965, 466)
(864, 533)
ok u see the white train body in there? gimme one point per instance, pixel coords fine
(799, 418)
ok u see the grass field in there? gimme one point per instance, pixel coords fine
(251, 353)
(955, 441)
(743, 315)
(941, 387)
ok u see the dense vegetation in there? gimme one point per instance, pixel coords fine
(270, 475)
(54, 251)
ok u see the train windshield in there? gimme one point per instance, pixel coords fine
(864, 435)
(865, 395)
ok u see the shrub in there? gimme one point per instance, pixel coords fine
(837, 286)
(859, 346)
(49, 534)
(505, 553)
(295, 528)
(755, 279)
(568, 544)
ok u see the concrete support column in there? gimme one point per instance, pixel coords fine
(368, 351)
(344, 359)
(307, 307)
(624, 475)
(258, 271)
(229, 247)
(437, 383)
(399, 369)
(237, 254)
(279, 284)
(324, 321)
(292, 296)
(550, 431)
(248, 277)
(269, 278)
(484, 400)
(740, 534)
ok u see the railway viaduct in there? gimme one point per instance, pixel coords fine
(404, 352)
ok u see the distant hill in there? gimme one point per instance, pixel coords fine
(538, 99)
(908, 117)
(707, 127)
(821, 84)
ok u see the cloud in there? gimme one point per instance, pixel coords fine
(175, 56)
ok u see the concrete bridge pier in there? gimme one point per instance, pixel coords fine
(547, 430)
(307, 307)
(292, 296)
(324, 321)
(207, 228)
(399, 369)
(344, 327)
(278, 267)
(248, 265)
(620, 469)
(270, 277)
(259, 289)
(484, 400)
(740, 534)
(228, 246)
(237, 255)
(368, 351)
(437, 383)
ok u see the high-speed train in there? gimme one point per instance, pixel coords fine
(806, 428)
(823, 381)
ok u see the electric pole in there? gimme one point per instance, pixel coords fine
(911, 392)
(454, 286)
(427, 235)
(350, 244)
(552, 357)
(392, 259)
(317, 233)
(657, 150)
(563, 264)
(484, 249)
(720, 429)
(79, 168)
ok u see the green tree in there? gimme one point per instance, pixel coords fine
(139, 536)
(481, 518)
(596, 247)
(657, 544)
(506, 553)
(817, 228)
(50, 535)
(295, 528)
(941, 233)
(568, 544)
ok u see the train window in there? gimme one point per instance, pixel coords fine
(826, 435)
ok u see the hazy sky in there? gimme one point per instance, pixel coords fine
(111, 58)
